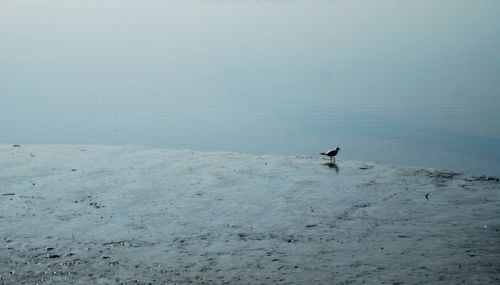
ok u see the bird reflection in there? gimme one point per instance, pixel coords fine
(332, 165)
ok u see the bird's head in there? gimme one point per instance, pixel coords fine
(338, 148)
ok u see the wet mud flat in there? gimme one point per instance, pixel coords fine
(74, 214)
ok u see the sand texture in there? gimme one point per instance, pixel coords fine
(74, 214)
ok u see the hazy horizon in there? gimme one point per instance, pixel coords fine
(403, 82)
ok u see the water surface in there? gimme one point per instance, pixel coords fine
(400, 82)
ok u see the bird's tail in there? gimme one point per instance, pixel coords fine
(323, 153)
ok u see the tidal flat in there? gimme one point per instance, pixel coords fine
(88, 214)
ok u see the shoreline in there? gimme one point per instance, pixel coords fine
(127, 214)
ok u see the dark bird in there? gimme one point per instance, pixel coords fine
(331, 153)
(427, 196)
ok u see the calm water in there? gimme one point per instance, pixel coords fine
(400, 82)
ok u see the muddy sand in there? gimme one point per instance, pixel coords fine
(73, 214)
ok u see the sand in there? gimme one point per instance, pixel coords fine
(78, 214)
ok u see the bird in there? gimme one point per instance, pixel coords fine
(331, 153)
